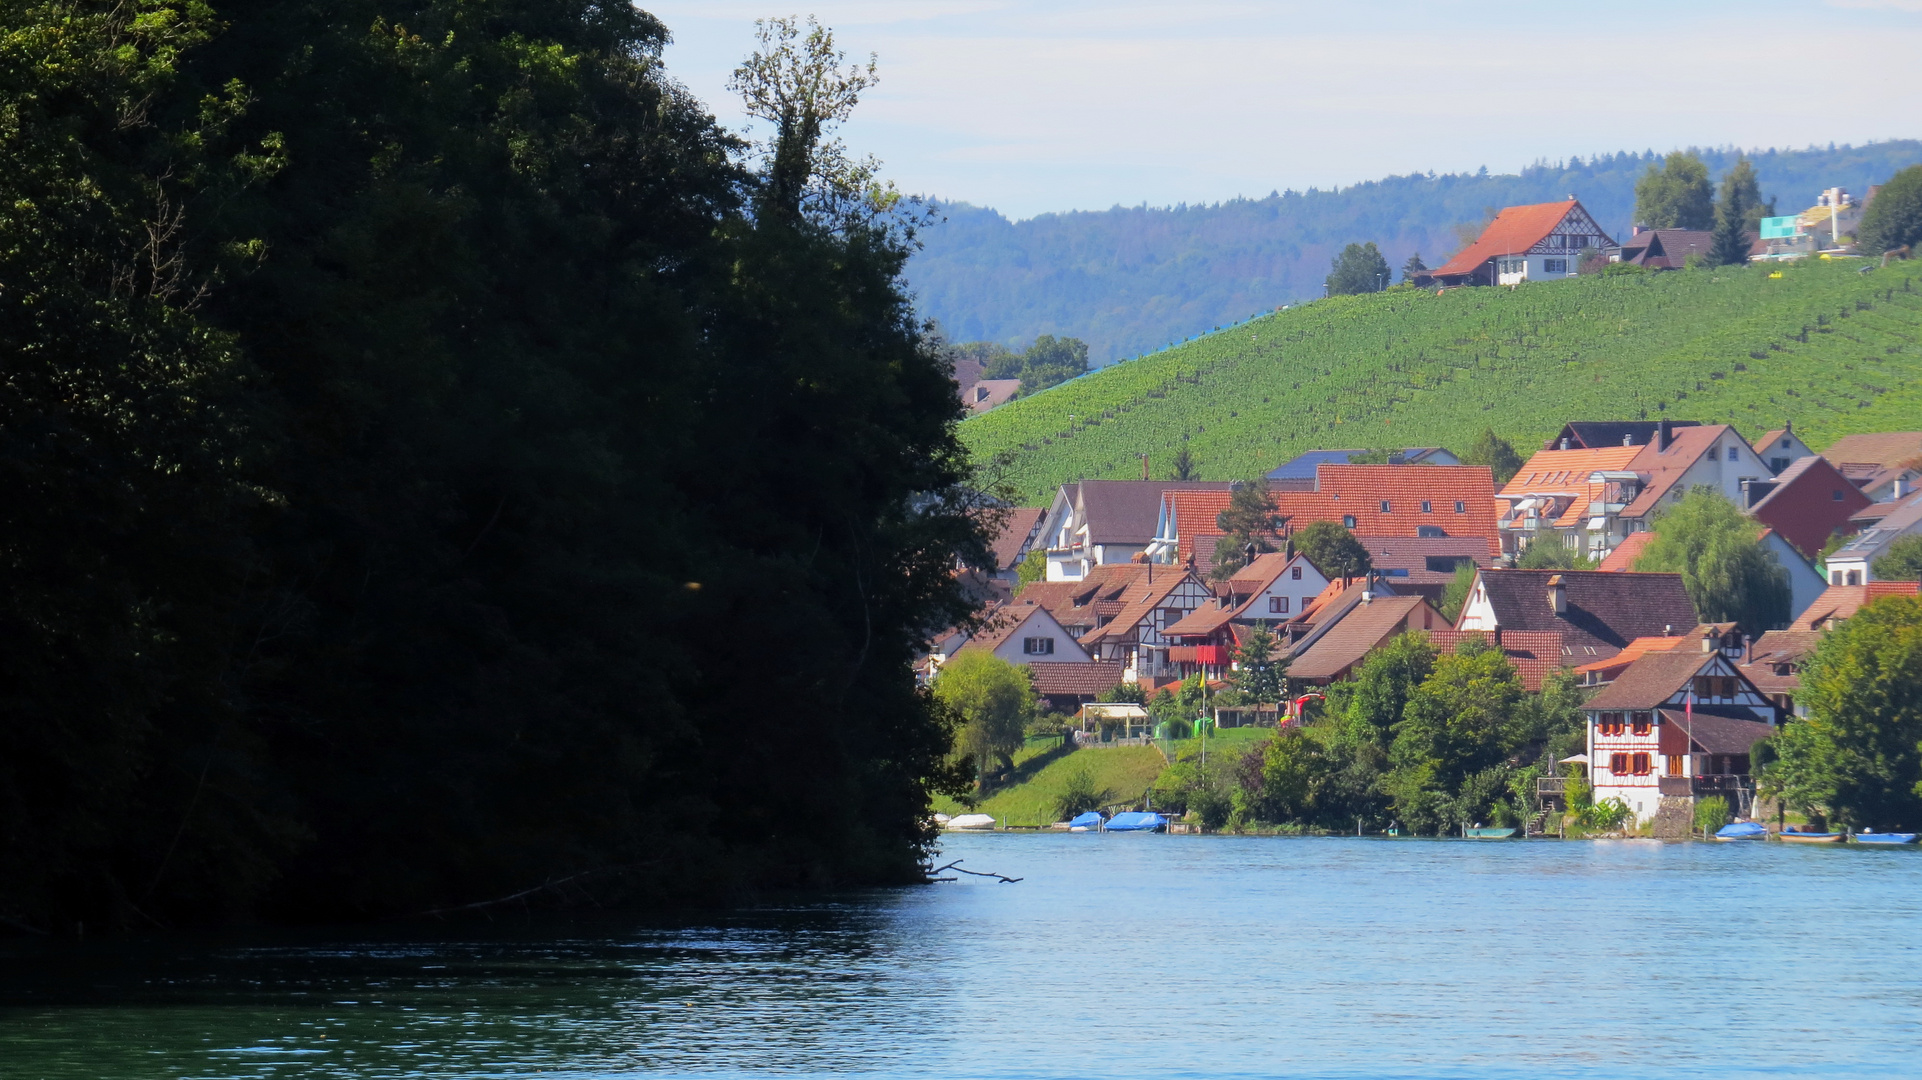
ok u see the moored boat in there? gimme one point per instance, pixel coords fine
(1740, 830)
(971, 822)
(1136, 821)
(1810, 837)
(1489, 833)
(1889, 838)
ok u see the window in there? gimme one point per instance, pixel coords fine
(1785, 444)
(1618, 764)
(1278, 605)
(1348, 521)
(1855, 577)
(1430, 532)
(1733, 454)
(1610, 723)
(1461, 507)
(1638, 764)
(1038, 646)
(1427, 507)
(1777, 464)
(1384, 506)
(1555, 266)
(1677, 765)
(1702, 686)
(1642, 723)
(1296, 574)
(1838, 494)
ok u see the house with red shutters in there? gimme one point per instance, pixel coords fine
(1677, 725)
(1524, 243)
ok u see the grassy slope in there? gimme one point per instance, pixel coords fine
(1125, 771)
(1835, 350)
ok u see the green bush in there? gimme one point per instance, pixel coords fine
(1711, 814)
(1608, 815)
(1078, 795)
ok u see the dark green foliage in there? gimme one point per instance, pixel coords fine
(1359, 268)
(1079, 794)
(1894, 218)
(1248, 525)
(473, 391)
(1552, 554)
(1741, 197)
(1857, 756)
(1675, 194)
(1495, 452)
(1333, 549)
(1729, 243)
(1412, 267)
(1046, 362)
(1456, 728)
(1259, 674)
(1718, 550)
(1901, 562)
(1184, 466)
(1455, 597)
(1131, 692)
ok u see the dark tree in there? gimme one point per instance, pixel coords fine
(1333, 549)
(1413, 267)
(1185, 467)
(1495, 452)
(1738, 216)
(1249, 526)
(1359, 268)
(1894, 218)
(1675, 194)
(1052, 360)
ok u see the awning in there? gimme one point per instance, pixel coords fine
(1575, 759)
(1598, 524)
(1121, 710)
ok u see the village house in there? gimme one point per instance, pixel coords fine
(1424, 566)
(1885, 466)
(1600, 434)
(1524, 243)
(1774, 665)
(1136, 635)
(1840, 603)
(1357, 628)
(981, 394)
(1675, 726)
(1663, 249)
(1596, 613)
(1275, 589)
(1101, 522)
(1024, 632)
(1781, 448)
(1301, 468)
(1854, 562)
(1807, 503)
(1375, 501)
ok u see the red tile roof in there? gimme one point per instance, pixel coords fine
(1886, 448)
(1535, 653)
(1622, 559)
(1513, 231)
(1662, 469)
(1360, 491)
(1839, 602)
(1015, 531)
(1811, 500)
(1053, 678)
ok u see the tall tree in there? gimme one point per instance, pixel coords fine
(1457, 724)
(1260, 675)
(1718, 551)
(1052, 360)
(1894, 218)
(995, 700)
(1184, 466)
(1675, 194)
(1857, 755)
(1413, 267)
(1495, 452)
(1738, 216)
(1901, 562)
(1249, 524)
(1360, 268)
(1333, 549)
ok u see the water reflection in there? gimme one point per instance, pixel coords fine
(1117, 956)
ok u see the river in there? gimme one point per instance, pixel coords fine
(1114, 956)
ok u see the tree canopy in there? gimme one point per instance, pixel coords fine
(1730, 575)
(402, 407)
(1675, 194)
(1894, 218)
(1360, 268)
(1333, 549)
(1249, 523)
(1901, 562)
(994, 699)
(1495, 452)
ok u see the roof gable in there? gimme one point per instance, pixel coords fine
(1516, 230)
(1604, 610)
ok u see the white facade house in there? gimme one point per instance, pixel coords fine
(1854, 563)
(1026, 633)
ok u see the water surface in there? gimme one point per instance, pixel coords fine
(1116, 956)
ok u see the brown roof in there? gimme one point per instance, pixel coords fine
(1605, 611)
(1634, 651)
(1839, 602)
(1514, 230)
(1015, 532)
(1095, 597)
(1360, 631)
(1387, 553)
(1003, 622)
(1779, 647)
(1666, 248)
(1051, 677)
(1201, 622)
(1766, 442)
(1535, 654)
(1713, 734)
(1662, 469)
(1139, 601)
(1651, 680)
(1622, 559)
(1127, 511)
(1885, 449)
(1602, 434)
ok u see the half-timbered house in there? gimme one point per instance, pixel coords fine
(1526, 243)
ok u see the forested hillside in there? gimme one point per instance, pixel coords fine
(1133, 279)
(1834, 346)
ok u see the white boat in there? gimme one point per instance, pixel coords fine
(971, 821)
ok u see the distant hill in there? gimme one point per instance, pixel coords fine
(1133, 279)
(1835, 349)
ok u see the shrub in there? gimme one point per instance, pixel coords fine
(1078, 794)
(1711, 814)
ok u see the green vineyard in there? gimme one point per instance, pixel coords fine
(1835, 346)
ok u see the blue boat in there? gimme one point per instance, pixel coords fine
(1487, 833)
(1890, 838)
(1741, 830)
(1137, 821)
(1084, 822)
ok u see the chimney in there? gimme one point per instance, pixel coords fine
(1708, 641)
(1662, 435)
(1564, 445)
(1900, 488)
(1557, 595)
(1635, 230)
(1144, 468)
(1788, 427)
(1748, 649)
(1628, 439)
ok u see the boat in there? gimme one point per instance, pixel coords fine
(1088, 822)
(1811, 837)
(972, 822)
(1890, 838)
(1740, 830)
(1136, 821)
(1489, 833)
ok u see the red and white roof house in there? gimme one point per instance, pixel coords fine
(1525, 243)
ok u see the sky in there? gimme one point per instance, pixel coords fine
(1053, 105)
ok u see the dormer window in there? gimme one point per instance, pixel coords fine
(1038, 646)
(1296, 573)
(1427, 507)
(1461, 507)
(1348, 521)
